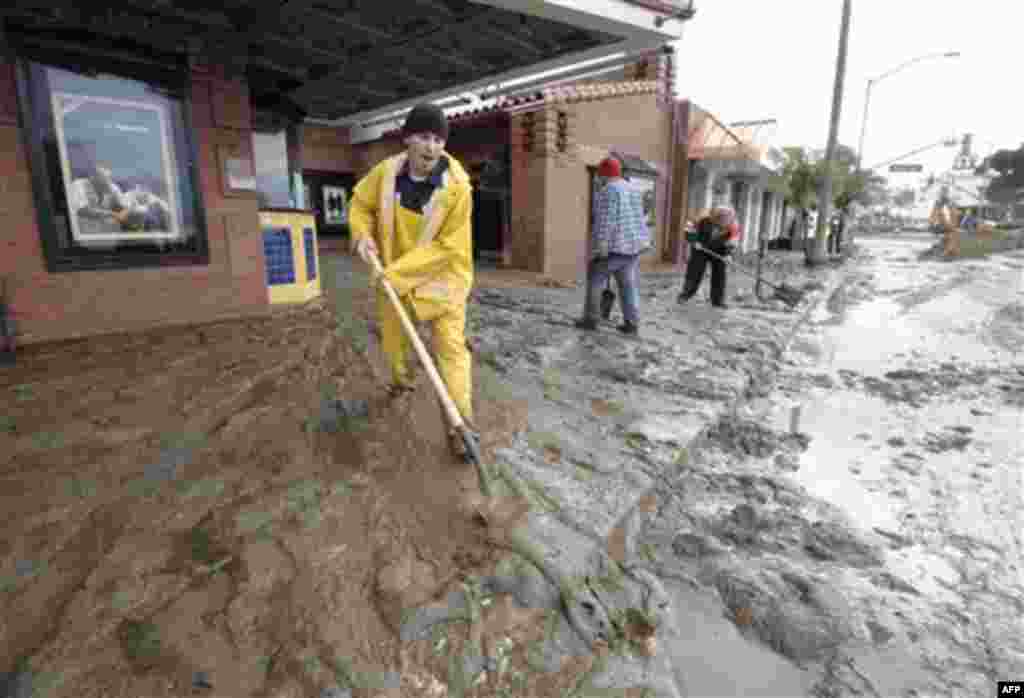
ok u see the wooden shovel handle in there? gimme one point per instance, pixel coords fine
(454, 418)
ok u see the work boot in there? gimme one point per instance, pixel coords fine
(588, 324)
(628, 328)
(682, 298)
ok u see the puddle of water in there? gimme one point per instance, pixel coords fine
(705, 655)
(833, 422)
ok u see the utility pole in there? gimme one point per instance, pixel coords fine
(817, 254)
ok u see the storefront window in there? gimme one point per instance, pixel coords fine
(113, 168)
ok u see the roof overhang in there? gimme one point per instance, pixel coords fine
(346, 62)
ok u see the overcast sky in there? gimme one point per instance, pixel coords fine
(751, 59)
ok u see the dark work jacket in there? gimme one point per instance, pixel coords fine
(712, 235)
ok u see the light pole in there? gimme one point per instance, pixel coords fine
(817, 252)
(873, 81)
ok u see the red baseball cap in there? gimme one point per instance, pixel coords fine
(609, 167)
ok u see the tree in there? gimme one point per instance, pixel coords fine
(803, 171)
(1009, 164)
(799, 177)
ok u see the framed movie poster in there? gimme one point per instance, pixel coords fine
(335, 205)
(118, 165)
(646, 187)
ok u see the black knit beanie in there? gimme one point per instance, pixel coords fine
(426, 118)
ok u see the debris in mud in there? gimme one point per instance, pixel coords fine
(695, 545)
(750, 439)
(832, 541)
(896, 441)
(741, 526)
(942, 443)
(896, 540)
(889, 581)
(799, 617)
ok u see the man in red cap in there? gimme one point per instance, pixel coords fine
(619, 237)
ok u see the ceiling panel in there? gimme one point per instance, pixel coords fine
(333, 58)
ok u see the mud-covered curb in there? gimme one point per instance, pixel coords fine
(695, 447)
(600, 588)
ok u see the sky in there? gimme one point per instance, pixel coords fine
(751, 59)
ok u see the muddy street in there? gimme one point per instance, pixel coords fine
(879, 550)
(910, 383)
(827, 496)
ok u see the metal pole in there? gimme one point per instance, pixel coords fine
(893, 71)
(864, 124)
(817, 255)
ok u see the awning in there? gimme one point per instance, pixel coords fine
(349, 61)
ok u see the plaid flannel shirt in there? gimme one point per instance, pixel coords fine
(620, 226)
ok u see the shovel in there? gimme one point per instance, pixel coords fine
(469, 439)
(607, 300)
(785, 293)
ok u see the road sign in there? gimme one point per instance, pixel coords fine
(906, 168)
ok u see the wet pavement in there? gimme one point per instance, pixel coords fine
(909, 385)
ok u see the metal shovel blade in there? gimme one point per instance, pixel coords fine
(607, 303)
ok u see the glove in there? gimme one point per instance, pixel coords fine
(366, 248)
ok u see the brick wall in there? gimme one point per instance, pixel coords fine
(327, 149)
(73, 304)
(529, 196)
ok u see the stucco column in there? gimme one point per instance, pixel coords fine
(753, 218)
(708, 192)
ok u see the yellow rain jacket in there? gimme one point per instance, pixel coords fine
(428, 259)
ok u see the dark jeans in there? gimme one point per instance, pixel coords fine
(624, 268)
(835, 241)
(695, 274)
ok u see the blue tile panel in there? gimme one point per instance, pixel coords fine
(307, 239)
(277, 248)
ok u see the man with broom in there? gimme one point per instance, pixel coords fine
(413, 212)
(718, 232)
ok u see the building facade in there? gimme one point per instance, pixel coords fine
(149, 147)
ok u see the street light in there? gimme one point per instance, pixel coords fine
(871, 83)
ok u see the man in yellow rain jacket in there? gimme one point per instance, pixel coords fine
(414, 211)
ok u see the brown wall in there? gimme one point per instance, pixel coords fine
(634, 124)
(71, 304)
(327, 149)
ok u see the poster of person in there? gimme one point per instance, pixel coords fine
(645, 186)
(335, 205)
(118, 164)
